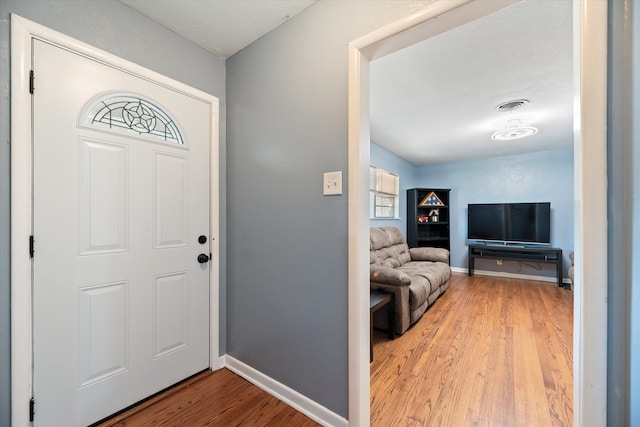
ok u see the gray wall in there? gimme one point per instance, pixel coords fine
(634, 212)
(114, 27)
(623, 347)
(287, 269)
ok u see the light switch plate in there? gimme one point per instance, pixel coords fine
(332, 184)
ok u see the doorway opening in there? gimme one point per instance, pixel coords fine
(590, 22)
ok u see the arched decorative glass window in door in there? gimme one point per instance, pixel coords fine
(133, 115)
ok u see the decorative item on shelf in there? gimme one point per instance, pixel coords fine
(432, 199)
(428, 217)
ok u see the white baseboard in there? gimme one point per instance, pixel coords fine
(301, 403)
(510, 275)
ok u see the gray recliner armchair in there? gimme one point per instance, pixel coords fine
(416, 276)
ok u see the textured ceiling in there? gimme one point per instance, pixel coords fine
(223, 27)
(435, 101)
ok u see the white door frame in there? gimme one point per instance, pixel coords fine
(590, 182)
(22, 33)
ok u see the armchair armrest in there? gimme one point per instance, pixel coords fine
(389, 276)
(429, 254)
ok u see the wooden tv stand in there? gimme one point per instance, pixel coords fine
(517, 253)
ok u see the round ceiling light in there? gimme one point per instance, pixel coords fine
(515, 129)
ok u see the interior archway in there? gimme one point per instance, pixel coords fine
(590, 23)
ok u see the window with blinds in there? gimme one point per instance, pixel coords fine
(384, 189)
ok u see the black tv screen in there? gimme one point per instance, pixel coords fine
(510, 222)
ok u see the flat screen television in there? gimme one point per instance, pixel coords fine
(510, 222)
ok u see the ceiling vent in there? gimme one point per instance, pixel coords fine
(512, 105)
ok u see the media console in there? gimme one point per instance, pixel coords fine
(516, 253)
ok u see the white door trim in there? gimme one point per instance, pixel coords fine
(22, 33)
(590, 214)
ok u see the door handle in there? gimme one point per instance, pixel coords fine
(203, 258)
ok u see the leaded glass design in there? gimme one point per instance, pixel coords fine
(130, 113)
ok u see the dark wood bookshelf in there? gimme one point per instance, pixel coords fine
(423, 229)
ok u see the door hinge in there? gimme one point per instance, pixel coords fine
(32, 409)
(31, 246)
(31, 82)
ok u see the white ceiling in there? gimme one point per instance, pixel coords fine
(435, 101)
(223, 27)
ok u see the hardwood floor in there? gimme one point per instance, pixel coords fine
(490, 352)
(219, 398)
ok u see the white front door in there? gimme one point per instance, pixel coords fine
(120, 200)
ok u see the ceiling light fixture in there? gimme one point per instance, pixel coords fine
(515, 129)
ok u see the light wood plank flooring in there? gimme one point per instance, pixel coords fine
(490, 352)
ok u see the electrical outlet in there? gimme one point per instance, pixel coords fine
(499, 261)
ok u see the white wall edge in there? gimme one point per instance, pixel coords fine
(590, 189)
(433, 19)
(214, 235)
(296, 400)
(358, 240)
(22, 33)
